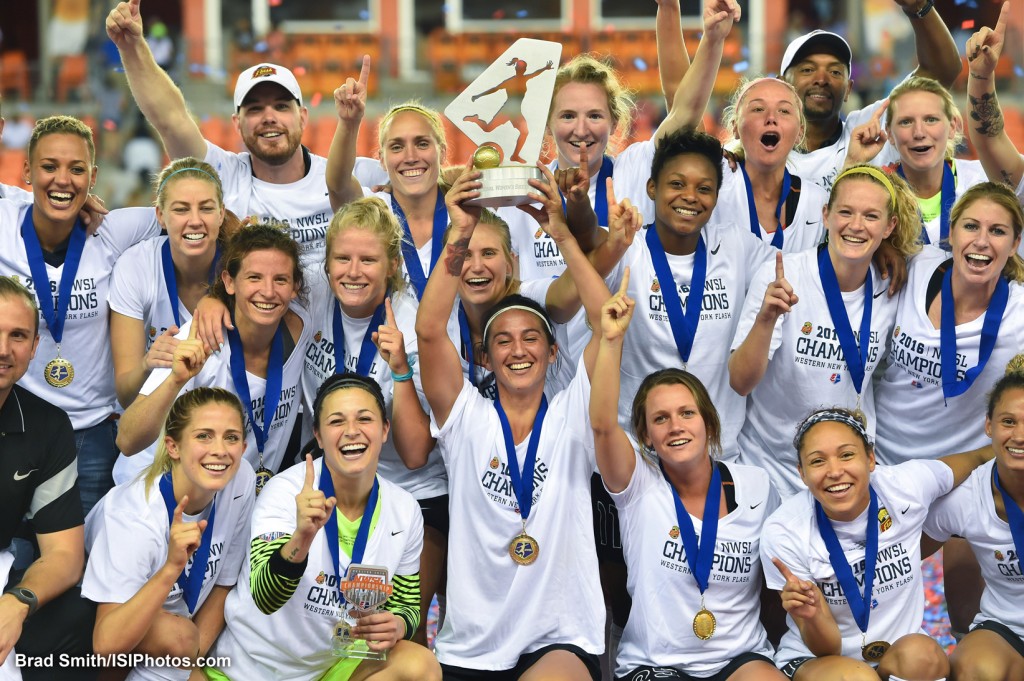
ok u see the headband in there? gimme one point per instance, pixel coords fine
(525, 308)
(875, 173)
(830, 415)
(181, 170)
(349, 380)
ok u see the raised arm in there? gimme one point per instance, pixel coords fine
(692, 95)
(159, 99)
(616, 459)
(132, 362)
(440, 367)
(350, 103)
(673, 61)
(963, 464)
(749, 361)
(937, 55)
(140, 424)
(574, 183)
(996, 151)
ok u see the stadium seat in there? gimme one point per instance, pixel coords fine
(71, 75)
(14, 74)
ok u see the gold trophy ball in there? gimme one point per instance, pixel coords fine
(486, 157)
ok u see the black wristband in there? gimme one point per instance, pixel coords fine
(921, 13)
(284, 568)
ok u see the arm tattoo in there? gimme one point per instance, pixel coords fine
(985, 110)
(457, 252)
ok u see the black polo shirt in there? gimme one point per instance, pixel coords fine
(38, 467)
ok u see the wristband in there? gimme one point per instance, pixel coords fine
(921, 13)
(400, 378)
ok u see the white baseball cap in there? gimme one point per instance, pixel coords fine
(817, 42)
(266, 73)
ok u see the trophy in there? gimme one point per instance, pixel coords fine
(508, 135)
(365, 588)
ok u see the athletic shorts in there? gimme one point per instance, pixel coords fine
(672, 674)
(1006, 632)
(435, 513)
(606, 524)
(451, 673)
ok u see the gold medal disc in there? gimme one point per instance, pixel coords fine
(59, 372)
(873, 652)
(524, 549)
(704, 624)
(263, 476)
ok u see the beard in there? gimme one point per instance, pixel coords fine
(278, 154)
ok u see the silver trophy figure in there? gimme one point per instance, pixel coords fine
(508, 137)
(365, 589)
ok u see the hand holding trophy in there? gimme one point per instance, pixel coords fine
(365, 589)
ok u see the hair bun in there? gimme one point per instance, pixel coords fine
(1015, 366)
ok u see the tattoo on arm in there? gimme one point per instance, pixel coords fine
(985, 110)
(457, 252)
(1007, 178)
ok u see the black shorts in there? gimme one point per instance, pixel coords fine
(450, 673)
(435, 513)
(672, 674)
(1006, 632)
(606, 524)
(790, 669)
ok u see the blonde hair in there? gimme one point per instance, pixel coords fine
(906, 236)
(1004, 197)
(731, 113)
(372, 215)
(952, 113)
(62, 125)
(178, 419)
(190, 168)
(588, 70)
(10, 288)
(432, 117)
(492, 219)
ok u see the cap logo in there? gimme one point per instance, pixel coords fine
(264, 71)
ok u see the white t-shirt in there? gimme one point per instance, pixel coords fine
(126, 537)
(498, 610)
(632, 170)
(304, 206)
(806, 229)
(294, 643)
(823, 165)
(806, 366)
(969, 511)
(16, 194)
(914, 420)
(138, 290)
(216, 373)
(734, 254)
(422, 483)
(905, 492)
(90, 398)
(665, 594)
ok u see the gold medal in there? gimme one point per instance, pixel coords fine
(873, 652)
(704, 622)
(263, 476)
(524, 549)
(58, 372)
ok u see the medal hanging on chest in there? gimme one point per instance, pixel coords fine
(523, 549)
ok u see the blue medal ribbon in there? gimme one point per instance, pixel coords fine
(54, 318)
(467, 343)
(684, 325)
(1014, 515)
(367, 351)
(171, 279)
(417, 277)
(856, 356)
(522, 484)
(190, 580)
(947, 197)
(860, 606)
(275, 377)
(755, 225)
(699, 558)
(326, 485)
(951, 387)
(601, 192)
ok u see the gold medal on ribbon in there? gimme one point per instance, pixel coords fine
(873, 652)
(704, 622)
(524, 549)
(263, 476)
(58, 372)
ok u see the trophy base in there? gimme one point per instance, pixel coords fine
(356, 649)
(506, 186)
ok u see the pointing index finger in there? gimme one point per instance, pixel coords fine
(881, 110)
(133, 6)
(389, 314)
(1004, 12)
(193, 330)
(781, 567)
(364, 73)
(610, 187)
(308, 482)
(178, 510)
(624, 284)
(780, 272)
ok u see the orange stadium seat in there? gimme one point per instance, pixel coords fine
(606, 44)
(12, 167)
(14, 73)
(367, 143)
(219, 132)
(71, 75)
(443, 54)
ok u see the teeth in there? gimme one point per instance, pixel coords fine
(215, 467)
(853, 240)
(271, 135)
(1016, 451)
(478, 281)
(678, 443)
(685, 211)
(193, 237)
(579, 145)
(839, 488)
(519, 366)
(415, 172)
(264, 306)
(353, 448)
(979, 258)
(353, 287)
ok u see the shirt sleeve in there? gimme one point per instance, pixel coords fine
(125, 227)
(405, 602)
(56, 504)
(239, 538)
(126, 552)
(752, 305)
(128, 291)
(644, 476)
(946, 517)
(778, 541)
